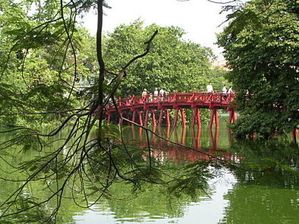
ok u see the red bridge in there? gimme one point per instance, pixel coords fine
(158, 108)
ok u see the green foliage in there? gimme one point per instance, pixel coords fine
(40, 63)
(261, 46)
(172, 64)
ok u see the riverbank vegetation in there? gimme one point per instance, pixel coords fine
(261, 46)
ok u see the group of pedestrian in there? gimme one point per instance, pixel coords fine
(225, 91)
(161, 94)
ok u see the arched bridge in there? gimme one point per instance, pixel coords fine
(158, 108)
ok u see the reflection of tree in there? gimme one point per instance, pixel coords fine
(256, 204)
(11, 179)
(268, 184)
(261, 159)
(154, 201)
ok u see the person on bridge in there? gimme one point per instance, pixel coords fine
(230, 90)
(156, 92)
(161, 94)
(150, 98)
(144, 94)
(224, 92)
(210, 88)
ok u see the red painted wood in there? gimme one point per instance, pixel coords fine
(140, 118)
(198, 118)
(134, 116)
(176, 101)
(183, 117)
(167, 118)
(154, 122)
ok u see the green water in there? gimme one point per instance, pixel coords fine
(258, 184)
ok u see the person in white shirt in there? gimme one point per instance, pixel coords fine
(156, 92)
(209, 88)
(161, 94)
(144, 93)
(224, 90)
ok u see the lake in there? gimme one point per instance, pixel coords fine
(245, 182)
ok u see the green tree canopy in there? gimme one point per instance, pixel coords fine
(261, 46)
(173, 63)
(39, 63)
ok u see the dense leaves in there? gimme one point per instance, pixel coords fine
(172, 64)
(261, 46)
(40, 63)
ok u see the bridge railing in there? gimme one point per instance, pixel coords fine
(202, 98)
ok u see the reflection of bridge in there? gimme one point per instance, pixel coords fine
(158, 108)
(178, 149)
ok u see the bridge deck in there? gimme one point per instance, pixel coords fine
(174, 101)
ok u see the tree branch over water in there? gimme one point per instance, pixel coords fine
(91, 155)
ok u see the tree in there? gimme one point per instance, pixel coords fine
(261, 46)
(37, 65)
(173, 64)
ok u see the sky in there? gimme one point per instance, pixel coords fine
(199, 18)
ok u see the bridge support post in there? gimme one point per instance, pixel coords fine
(183, 135)
(134, 116)
(232, 116)
(140, 118)
(168, 134)
(198, 118)
(154, 122)
(214, 137)
(183, 117)
(214, 118)
(167, 118)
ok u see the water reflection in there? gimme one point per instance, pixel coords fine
(259, 184)
(268, 184)
(189, 136)
(183, 143)
(152, 206)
